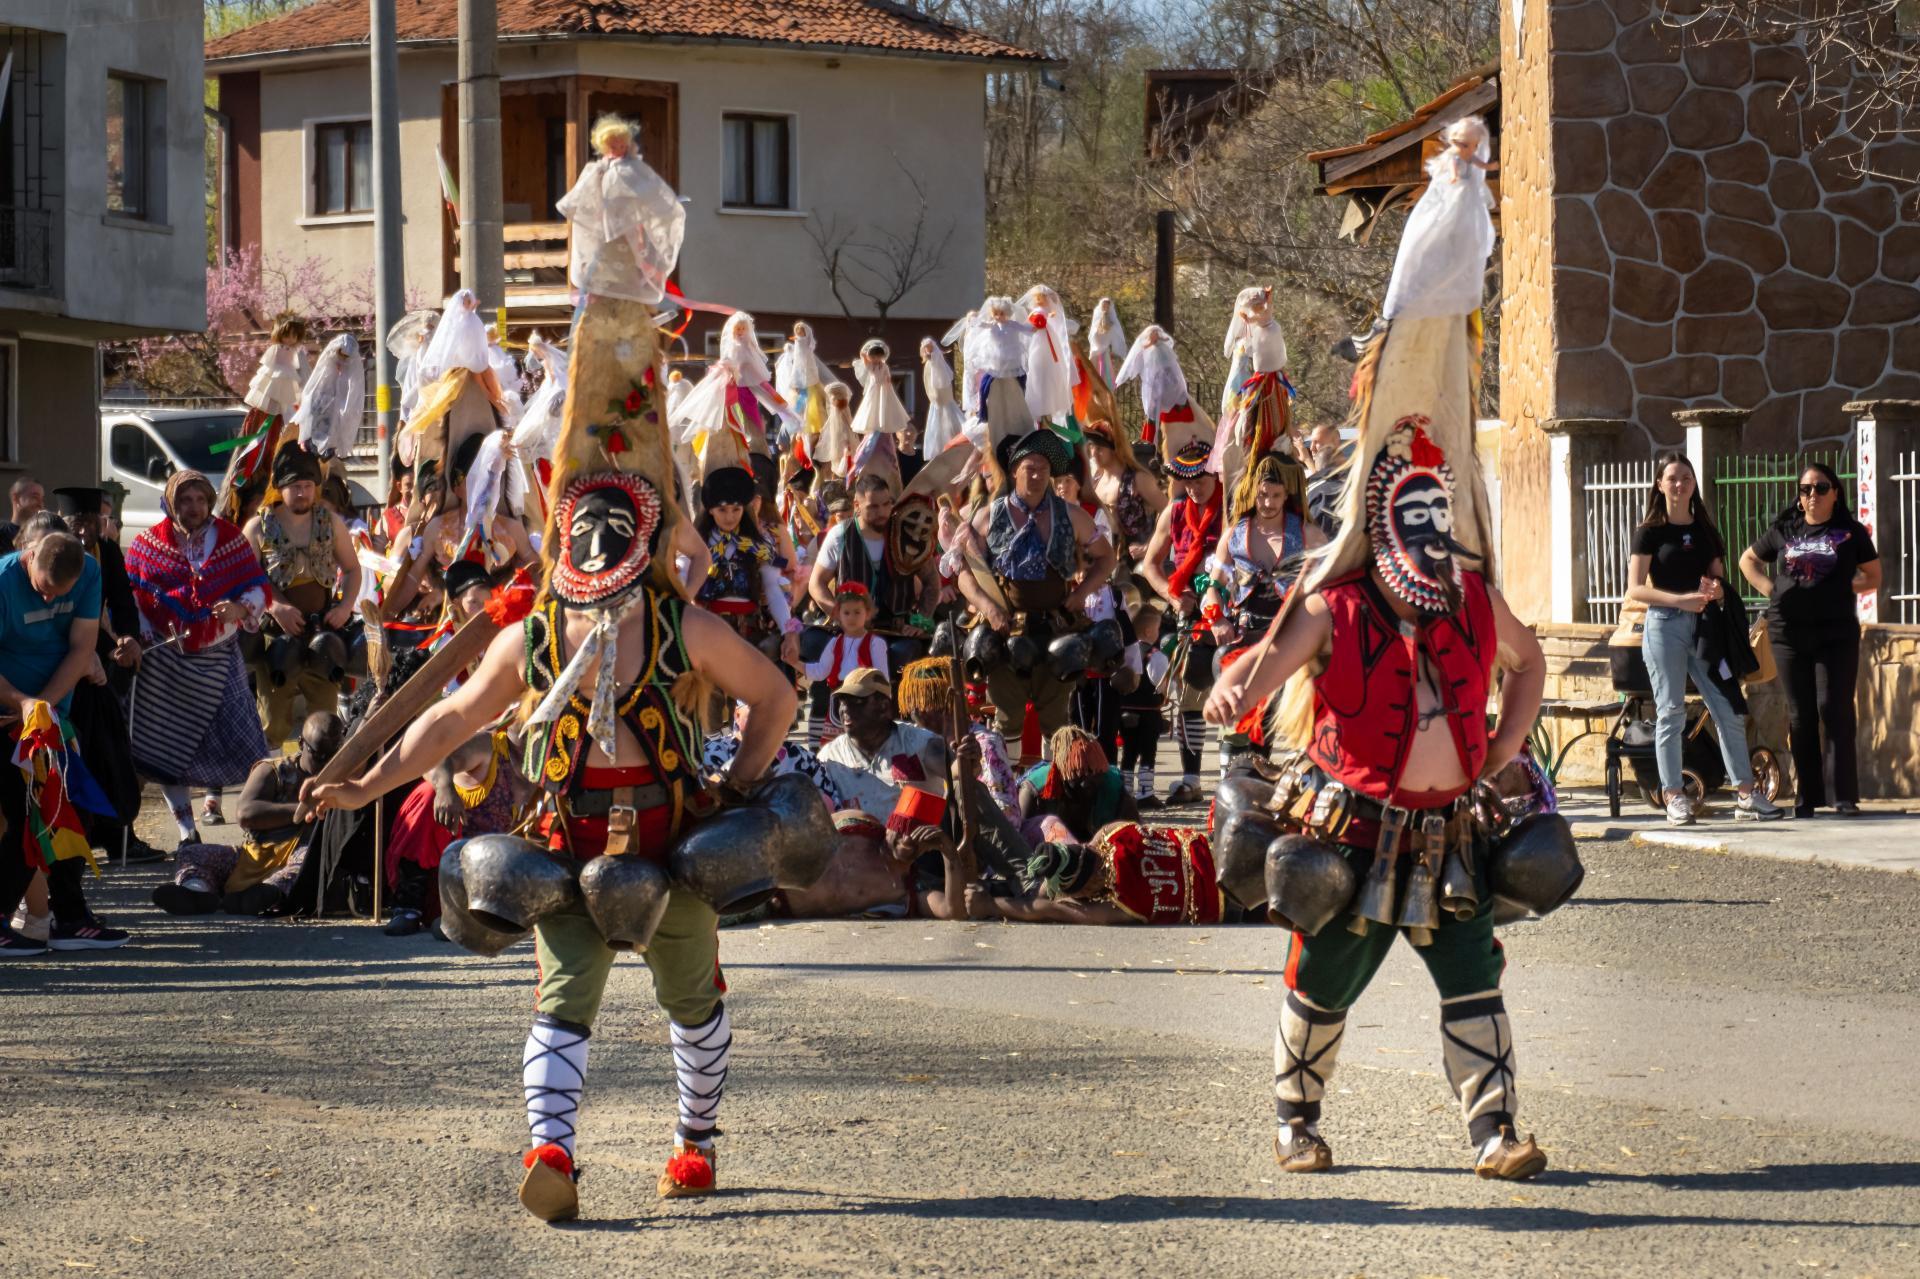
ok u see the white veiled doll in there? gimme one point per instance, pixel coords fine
(1106, 341)
(955, 339)
(275, 388)
(627, 222)
(943, 415)
(1441, 265)
(996, 354)
(506, 372)
(1052, 371)
(836, 443)
(333, 402)
(1173, 419)
(727, 403)
(539, 428)
(1259, 414)
(880, 406)
(459, 340)
(798, 374)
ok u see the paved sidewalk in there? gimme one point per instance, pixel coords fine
(1885, 837)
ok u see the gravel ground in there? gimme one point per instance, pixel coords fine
(1716, 1051)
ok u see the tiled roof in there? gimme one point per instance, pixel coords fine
(878, 25)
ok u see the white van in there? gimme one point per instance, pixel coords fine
(141, 447)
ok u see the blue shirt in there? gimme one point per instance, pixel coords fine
(33, 632)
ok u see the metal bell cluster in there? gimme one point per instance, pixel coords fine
(495, 888)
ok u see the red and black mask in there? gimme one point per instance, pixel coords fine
(1410, 519)
(605, 524)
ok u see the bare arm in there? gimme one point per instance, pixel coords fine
(1152, 567)
(257, 814)
(688, 542)
(81, 638)
(820, 580)
(1520, 686)
(1750, 568)
(970, 589)
(1099, 561)
(744, 674)
(1268, 664)
(348, 560)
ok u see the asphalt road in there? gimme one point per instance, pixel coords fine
(1717, 1052)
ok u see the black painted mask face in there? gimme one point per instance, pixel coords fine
(605, 525)
(601, 531)
(1410, 522)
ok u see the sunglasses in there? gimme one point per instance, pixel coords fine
(1820, 489)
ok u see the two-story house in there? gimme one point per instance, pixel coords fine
(777, 124)
(103, 230)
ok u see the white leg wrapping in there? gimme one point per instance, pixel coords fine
(553, 1072)
(700, 1055)
(1304, 1050)
(1477, 1047)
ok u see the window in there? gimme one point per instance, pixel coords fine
(133, 452)
(343, 167)
(135, 113)
(9, 364)
(758, 162)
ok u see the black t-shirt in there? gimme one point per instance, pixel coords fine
(1682, 554)
(1814, 586)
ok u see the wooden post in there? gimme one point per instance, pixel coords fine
(1163, 228)
(379, 853)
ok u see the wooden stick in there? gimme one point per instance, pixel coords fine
(419, 692)
(379, 853)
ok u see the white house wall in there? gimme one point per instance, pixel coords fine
(850, 121)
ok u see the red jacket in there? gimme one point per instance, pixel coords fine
(1365, 712)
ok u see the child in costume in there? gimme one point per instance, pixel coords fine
(744, 583)
(851, 647)
(1387, 649)
(1142, 723)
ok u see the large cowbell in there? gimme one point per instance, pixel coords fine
(1536, 867)
(1243, 828)
(495, 888)
(781, 838)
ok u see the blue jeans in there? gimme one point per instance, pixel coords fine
(1667, 645)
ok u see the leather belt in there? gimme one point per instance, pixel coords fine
(1308, 798)
(603, 803)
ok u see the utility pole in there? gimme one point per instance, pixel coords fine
(482, 268)
(1163, 270)
(389, 270)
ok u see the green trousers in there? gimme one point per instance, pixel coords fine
(1333, 966)
(684, 958)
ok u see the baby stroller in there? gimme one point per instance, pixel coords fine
(1630, 742)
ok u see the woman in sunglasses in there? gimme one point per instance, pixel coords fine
(1825, 559)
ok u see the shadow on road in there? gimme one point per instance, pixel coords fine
(1278, 1210)
(1669, 901)
(1772, 1177)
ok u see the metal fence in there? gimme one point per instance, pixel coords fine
(1904, 588)
(1749, 490)
(1616, 496)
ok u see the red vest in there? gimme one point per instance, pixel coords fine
(1160, 874)
(1364, 710)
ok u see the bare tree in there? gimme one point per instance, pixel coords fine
(884, 267)
(1858, 67)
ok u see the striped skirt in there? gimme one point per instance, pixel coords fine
(192, 718)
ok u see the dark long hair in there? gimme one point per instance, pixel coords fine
(1792, 517)
(1657, 501)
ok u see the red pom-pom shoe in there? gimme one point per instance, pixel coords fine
(549, 1190)
(691, 1171)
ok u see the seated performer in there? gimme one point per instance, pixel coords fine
(1128, 874)
(616, 660)
(254, 878)
(473, 792)
(1390, 643)
(1075, 793)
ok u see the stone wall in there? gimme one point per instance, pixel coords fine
(1714, 238)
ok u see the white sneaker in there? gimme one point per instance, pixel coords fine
(36, 927)
(1755, 807)
(1679, 810)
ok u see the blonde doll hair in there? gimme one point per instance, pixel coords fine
(609, 127)
(1468, 129)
